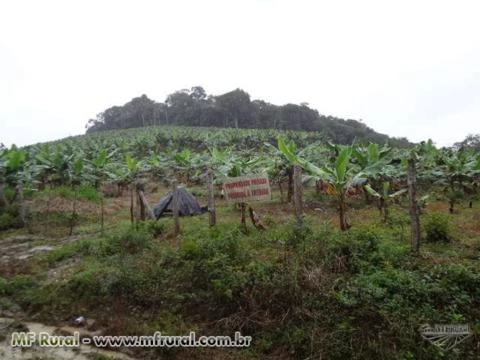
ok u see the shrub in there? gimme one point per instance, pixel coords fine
(82, 282)
(88, 192)
(437, 228)
(13, 209)
(64, 192)
(298, 234)
(10, 217)
(6, 221)
(129, 242)
(354, 250)
(69, 250)
(217, 268)
(154, 227)
(9, 193)
(4, 288)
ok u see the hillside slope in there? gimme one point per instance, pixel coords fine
(193, 107)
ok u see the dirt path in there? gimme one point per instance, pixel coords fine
(15, 251)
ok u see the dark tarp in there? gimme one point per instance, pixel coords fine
(187, 204)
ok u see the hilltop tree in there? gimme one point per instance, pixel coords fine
(194, 107)
(471, 142)
(140, 111)
(237, 108)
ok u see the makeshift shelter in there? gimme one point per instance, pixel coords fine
(187, 204)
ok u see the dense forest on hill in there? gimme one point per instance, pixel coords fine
(235, 109)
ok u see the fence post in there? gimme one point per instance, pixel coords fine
(142, 201)
(297, 192)
(243, 224)
(176, 222)
(140, 204)
(211, 200)
(415, 222)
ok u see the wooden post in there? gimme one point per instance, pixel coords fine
(281, 190)
(176, 222)
(22, 203)
(140, 203)
(211, 200)
(139, 209)
(297, 192)
(243, 224)
(415, 222)
(101, 211)
(131, 205)
(144, 202)
(290, 189)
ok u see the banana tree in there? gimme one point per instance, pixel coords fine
(99, 164)
(341, 175)
(128, 173)
(227, 163)
(52, 166)
(12, 173)
(455, 171)
(3, 177)
(280, 169)
(374, 160)
(384, 197)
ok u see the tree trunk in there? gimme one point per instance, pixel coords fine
(343, 212)
(176, 223)
(382, 207)
(297, 191)
(412, 193)
(211, 200)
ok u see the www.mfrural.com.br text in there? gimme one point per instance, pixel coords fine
(44, 339)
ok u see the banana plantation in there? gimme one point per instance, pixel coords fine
(383, 241)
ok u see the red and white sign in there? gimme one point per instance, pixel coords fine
(245, 188)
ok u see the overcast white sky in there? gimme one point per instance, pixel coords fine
(406, 68)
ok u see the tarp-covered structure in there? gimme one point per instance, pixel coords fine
(187, 204)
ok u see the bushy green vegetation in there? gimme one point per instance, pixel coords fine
(300, 289)
(437, 228)
(309, 292)
(10, 217)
